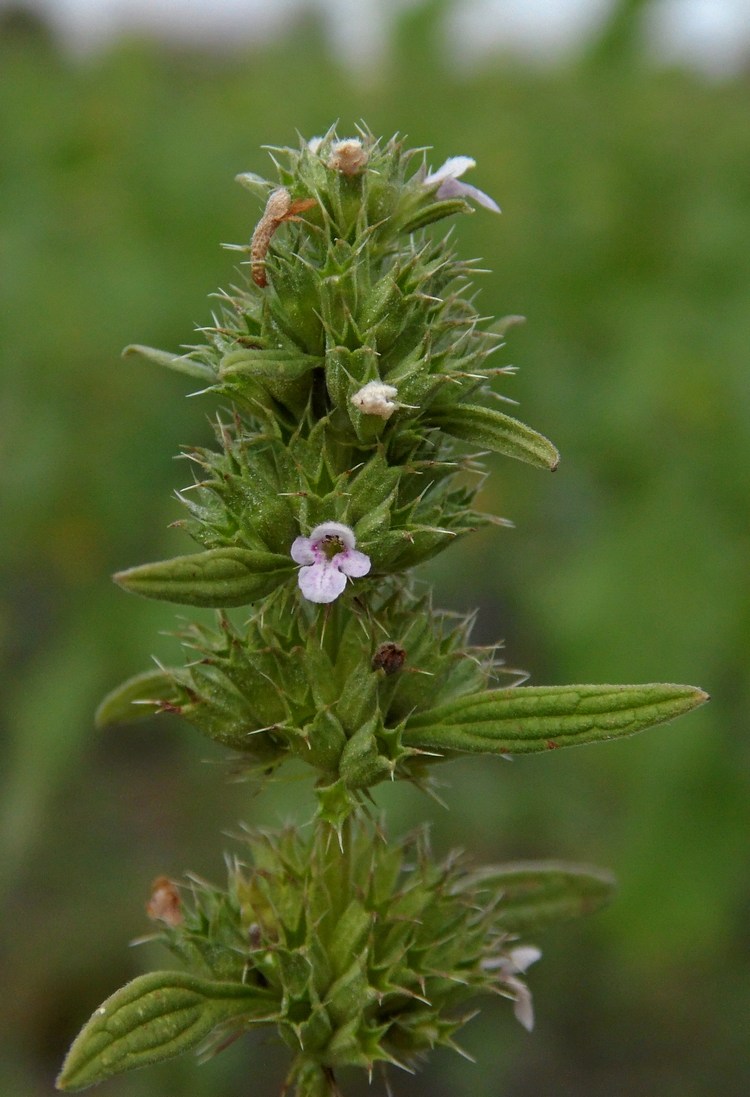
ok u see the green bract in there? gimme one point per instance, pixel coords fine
(359, 954)
(354, 379)
(156, 1017)
(356, 293)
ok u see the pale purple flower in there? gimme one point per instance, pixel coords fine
(448, 175)
(328, 556)
(509, 967)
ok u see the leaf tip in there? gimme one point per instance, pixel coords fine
(60, 1081)
(101, 720)
(121, 578)
(692, 696)
(68, 1078)
(550, 455)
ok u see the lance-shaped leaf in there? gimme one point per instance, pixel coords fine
(180, 363)
(283, 374)
(435, 211)
(495, 431)
(537, 894)
(267, 364)
(137, 698)
(154, 1018)
(213, 579)
(528, 719)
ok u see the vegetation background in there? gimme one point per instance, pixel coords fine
(626, 243)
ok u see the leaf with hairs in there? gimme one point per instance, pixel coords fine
(528, 719)
(495, 431)
(212, 579)
(137, 698)
(156, 1017)
(537, 894)
(179, 363)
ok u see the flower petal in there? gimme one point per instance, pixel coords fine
(523, 1007)
(334, 529)
(451, 169)
(523, 957)
(321, 582)
(452, 188)
(478, 196)
(352, 563)
(301, 551)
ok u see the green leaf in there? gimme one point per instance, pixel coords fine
(492, 430)
(154, 1018)
(350, 936)
(276, 365)
(256, 184)
(372, 486)
(215, 578)
(137, 698)
(284, 375)
(537, 894)
(180, 363)
(435, 211)
(528, 719)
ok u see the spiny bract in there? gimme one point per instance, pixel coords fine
(354, 374)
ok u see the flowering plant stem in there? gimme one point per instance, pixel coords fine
(355, 384)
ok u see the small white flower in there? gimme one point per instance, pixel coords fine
(448, 175)
(328, 556)
(522, 957)
(376, 398)
(314, 144)
(509, 967)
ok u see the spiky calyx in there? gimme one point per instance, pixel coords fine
(337, 698)
(354, 300)
(357, 368)
(357, 364)
(358, 954)
(382, 689)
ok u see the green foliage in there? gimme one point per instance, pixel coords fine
(338, 319)
(624, 241)
(499, 433)
(219, 577)
(359, 954)
(137, 698)
(279, 686)
(347, 302)
(156, 1017)
(345, 296)
(538, 894)
(534, 718)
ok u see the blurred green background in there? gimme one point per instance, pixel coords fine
(625, 240)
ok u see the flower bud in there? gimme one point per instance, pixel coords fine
(389, 658)
(349, 157)
(376, 398)
(165, 904)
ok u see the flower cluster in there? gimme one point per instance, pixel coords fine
(360, 380)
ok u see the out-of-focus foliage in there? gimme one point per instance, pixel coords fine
(626, 243)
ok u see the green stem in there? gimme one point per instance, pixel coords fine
(331, 1079)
